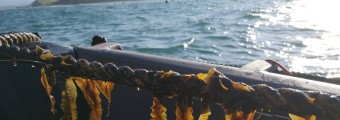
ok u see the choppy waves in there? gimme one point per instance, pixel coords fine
(227, 32)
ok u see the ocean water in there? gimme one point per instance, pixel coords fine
(301, 34)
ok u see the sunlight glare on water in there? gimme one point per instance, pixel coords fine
(319, 15)
(318, 51)
(315, 14)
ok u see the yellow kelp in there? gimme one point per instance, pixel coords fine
(307, 117)
(158, 111)
(205, 110)
(69, 100)
(91, 94)
(48, 88)
(295, 117)
(183, 109)
(106, 87)
(239, 115)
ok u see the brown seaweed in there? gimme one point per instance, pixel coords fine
(106, 87)
(158, 111)
(69, 100)
(91, 94)
(48, 88)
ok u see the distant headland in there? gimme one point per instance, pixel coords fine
(67, 2)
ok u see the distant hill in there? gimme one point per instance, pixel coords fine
(66, 2)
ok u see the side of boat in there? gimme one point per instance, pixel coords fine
(23, 96)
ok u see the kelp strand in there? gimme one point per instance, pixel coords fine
(69, 100)
(91, 94)
(106, 87)
(158, 111)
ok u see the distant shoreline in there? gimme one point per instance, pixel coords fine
(14, 7)
(73, 2)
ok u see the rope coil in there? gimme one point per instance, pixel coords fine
(18, 37)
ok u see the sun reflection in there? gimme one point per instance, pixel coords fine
(312, 30)
(316, 14)
(320, 49)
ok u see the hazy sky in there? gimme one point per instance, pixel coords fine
(15, 2)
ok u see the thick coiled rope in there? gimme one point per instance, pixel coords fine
(8, 42)
(18, 37)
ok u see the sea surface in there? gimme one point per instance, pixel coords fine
(304, 35)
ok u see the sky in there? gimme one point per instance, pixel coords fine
(15, 2)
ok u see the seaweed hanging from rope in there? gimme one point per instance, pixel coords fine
(158, 111)
(68, 101)
(48, 86)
